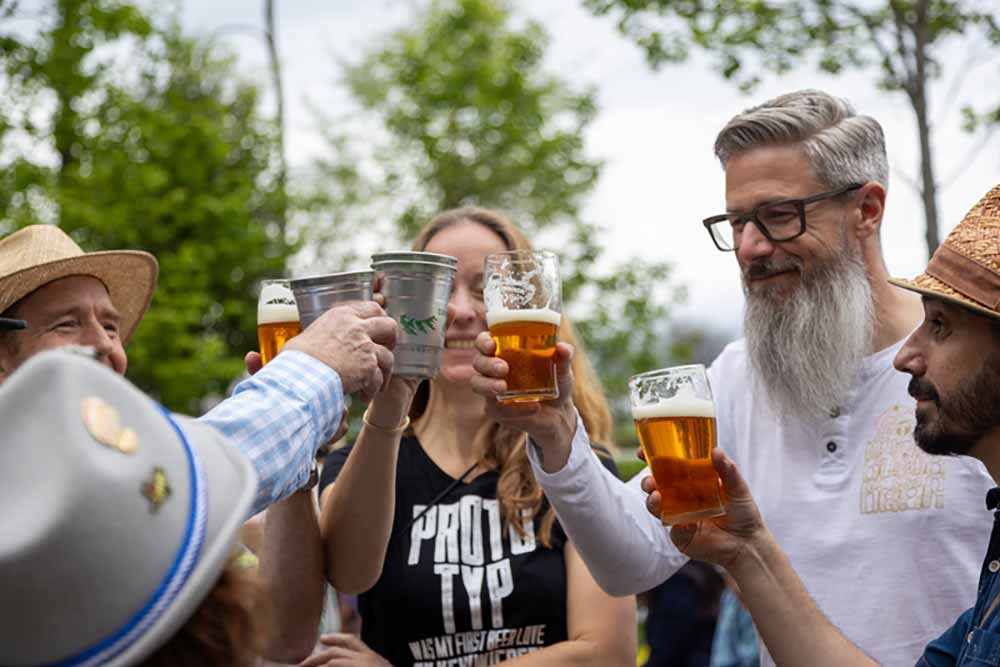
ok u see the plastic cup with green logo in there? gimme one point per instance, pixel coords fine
(416, 287)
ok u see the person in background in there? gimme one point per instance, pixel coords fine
(735, 641)
(682, 617)
(434, 518)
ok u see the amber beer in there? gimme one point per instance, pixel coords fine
(677, 436)
(526, 340)
(277, 319)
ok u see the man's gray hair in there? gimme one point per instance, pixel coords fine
(842, 146)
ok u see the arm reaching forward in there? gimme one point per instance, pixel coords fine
(794, 629)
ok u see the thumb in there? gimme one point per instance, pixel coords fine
(733, 485)
(563, 358)
(253, 362)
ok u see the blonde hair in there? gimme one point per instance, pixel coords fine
(517, 489)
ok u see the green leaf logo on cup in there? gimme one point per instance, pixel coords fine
(415, 327)
(416, 287)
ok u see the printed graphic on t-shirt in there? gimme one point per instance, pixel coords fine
(472, 560)
(898, 475)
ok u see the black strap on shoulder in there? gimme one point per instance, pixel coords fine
(437, 499)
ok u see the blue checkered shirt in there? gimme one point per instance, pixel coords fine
(279, 418)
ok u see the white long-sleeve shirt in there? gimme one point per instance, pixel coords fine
(887, 539)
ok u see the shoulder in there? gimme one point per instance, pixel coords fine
(733, 355)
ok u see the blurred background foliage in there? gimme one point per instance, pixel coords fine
(129, 133)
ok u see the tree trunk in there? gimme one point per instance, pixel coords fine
(918, 97)
(272, 52)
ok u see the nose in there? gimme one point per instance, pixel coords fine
(751, 244)
(97, 337)
(463, 307)
(910, 358)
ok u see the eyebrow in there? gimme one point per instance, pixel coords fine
(76, 309)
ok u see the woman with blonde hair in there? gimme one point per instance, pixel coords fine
(434, 518)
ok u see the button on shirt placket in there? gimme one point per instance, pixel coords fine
(831, 436)
(986, 615)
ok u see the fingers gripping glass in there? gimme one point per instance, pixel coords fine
(778, 220)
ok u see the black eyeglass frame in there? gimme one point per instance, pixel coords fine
(751, 216)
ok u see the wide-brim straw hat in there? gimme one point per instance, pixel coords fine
(117, 517)
(40, 254)
(965, 269)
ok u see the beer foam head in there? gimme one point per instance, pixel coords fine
(276, 304)
(503, 316)
(679, 406)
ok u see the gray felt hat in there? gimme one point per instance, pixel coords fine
(116, 518)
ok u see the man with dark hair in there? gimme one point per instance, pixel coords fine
(953, 359)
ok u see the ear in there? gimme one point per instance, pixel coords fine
(871, 206)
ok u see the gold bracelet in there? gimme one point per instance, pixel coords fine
(390, 431)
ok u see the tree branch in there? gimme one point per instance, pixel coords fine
(970, 156)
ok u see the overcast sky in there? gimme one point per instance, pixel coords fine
(655, 130)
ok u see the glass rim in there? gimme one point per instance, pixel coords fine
(663, 372)
(521, 252)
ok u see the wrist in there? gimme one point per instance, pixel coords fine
(555, 443)
(753, 559)
(385, 421)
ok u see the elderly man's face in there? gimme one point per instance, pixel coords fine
(70, 311)
(954, 358)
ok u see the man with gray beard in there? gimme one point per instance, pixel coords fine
(808, 405)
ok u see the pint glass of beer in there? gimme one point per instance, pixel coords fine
(675, 419)
(277, 318)
(522, 292)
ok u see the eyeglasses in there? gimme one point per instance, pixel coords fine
(778, 221)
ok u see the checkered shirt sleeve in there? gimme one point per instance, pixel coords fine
(279, 418)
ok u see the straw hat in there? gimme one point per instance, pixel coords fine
(39, 254)
(965, 269)
(117, 516)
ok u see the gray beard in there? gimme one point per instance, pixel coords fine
(806, 348)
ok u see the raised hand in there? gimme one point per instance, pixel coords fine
(356, 340)
(551, 424)
(721, 540)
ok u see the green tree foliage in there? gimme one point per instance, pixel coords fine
(458, 110)
(901, 41)
(158, 146)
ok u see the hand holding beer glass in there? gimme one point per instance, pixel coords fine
(522, 292)
(675, 419)
(277, 318)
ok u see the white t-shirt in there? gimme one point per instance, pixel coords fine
(887, 539)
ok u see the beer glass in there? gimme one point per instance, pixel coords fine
(521, 290)
(675, 419)
(277, 318)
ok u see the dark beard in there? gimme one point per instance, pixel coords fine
(964, 417)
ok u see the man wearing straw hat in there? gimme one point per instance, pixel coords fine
(807, 403)
(953, 359)
(279, 417)
(97, 299)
